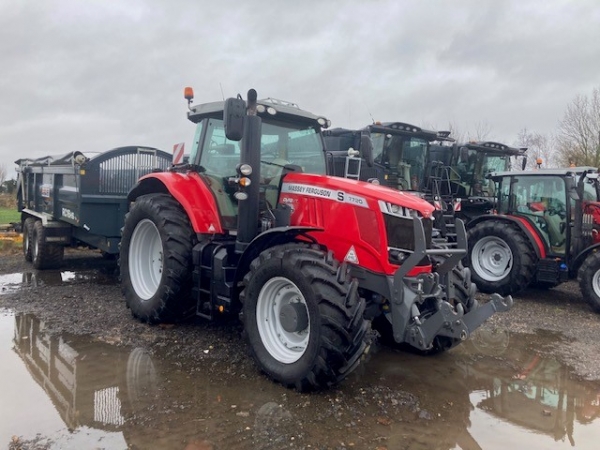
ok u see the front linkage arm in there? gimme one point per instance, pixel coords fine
(407, 293)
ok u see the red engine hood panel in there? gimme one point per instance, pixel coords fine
(337, 189)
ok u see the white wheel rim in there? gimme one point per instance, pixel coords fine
(35, 249)
(145, 259)
(491, 258)
(596, 283)
(286, 347)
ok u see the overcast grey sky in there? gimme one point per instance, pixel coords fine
(91, 75)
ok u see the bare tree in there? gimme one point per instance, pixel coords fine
(456, 133)
(579, 132)
(539, 147)
(2, 174)
(481, 132)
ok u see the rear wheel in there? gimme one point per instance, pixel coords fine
(156, 260)
(27, 238)
(589, 280)
(303, 317)
(501, 257)
(43, 254)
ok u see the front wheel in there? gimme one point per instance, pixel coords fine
(501, 257)
(589, 280)
(156, 260)
(303, 317)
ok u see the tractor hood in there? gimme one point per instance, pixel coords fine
(352, 191)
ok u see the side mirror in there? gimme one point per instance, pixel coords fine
(233, 117)
(524, 163)
(366, 149)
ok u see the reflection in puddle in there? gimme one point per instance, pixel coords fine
(494, 393)
(14, 281)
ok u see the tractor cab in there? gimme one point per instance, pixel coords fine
(290, 140)
(472, 162)
(552, 201)
(400, 153)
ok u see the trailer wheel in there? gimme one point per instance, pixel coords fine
(156, 260)
(27, 238)
(43, 254)
(501, 257)
(589, 280)
(303, 317)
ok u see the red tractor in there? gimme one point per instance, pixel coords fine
(544, 231)
(252, 225)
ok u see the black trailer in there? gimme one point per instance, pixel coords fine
(75, 200)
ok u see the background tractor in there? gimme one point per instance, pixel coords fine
(461, 172)
(544, 231)
(399, 158)
(253, 225)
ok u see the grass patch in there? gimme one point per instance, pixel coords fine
(9, 215)
(8, 209)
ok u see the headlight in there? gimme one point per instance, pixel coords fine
(245, 169)
(396, 210)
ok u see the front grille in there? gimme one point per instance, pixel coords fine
(400, 232)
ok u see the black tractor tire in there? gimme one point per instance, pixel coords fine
(501, 257)
(589, 280)
(464, 288)
(28, 238)
(43, 254)
(330, 335)
(156, 260)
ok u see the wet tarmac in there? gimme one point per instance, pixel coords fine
(493, 392)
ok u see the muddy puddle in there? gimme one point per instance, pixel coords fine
(495, 392)
(14, 281)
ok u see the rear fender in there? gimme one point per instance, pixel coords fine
(528, 229)
(190, 191)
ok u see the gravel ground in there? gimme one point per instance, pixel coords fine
(96, 307)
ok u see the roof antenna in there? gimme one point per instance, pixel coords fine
(222, 95)
(371, 116)
(369, 111)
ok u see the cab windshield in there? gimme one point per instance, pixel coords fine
(404, 156)
(474, 166)
(281, 144)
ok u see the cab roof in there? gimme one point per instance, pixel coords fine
(541, 172)
(494, 147)
(285, 111)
